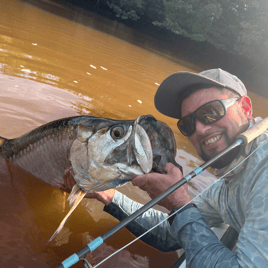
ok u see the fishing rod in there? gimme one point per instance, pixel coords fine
(242, 139)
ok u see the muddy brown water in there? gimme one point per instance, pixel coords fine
(53, 67)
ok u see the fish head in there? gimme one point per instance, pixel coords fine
(110, 156)
(113, 155)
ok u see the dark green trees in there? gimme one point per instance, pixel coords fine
(239, 26)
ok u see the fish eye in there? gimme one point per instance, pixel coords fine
(117, 132)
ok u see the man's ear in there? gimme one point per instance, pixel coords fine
(247, 107)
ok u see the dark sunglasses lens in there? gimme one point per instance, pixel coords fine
(186, 125)
(210, 112)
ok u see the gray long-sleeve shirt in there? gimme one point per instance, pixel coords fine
(242, 203)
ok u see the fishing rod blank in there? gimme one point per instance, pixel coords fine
(243, 138)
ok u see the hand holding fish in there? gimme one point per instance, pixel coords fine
(155, 183)
(105, 197)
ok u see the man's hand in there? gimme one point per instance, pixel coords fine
(105, 197)
(155, 183)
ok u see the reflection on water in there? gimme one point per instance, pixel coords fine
(50, 68)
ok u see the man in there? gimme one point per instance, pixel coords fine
(212, 108)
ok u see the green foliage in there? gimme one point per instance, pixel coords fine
(193, 18)
(135, 9)
(125, 9)
(239, 26)
(252, 38)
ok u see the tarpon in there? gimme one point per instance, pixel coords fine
(101, 153)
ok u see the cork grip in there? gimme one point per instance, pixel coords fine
(254, 131)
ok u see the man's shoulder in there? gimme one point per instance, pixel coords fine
(262, 139)
(260, 148)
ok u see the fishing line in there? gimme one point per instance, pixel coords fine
(86, 263)
(260, 145)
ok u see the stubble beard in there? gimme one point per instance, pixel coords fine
(226, 159)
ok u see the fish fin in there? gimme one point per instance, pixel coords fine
(79, 197)
(73, 195)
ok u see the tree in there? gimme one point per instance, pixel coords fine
(238, 26)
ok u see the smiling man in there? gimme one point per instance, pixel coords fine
(211, 112)
(212, 108)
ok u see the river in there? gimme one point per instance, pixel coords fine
(58, 62)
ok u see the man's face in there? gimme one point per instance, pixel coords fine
(209, 140)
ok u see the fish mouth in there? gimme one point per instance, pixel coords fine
(141, 145)
(162, 141)
(134, 156)
(140, 151)
(156, 167)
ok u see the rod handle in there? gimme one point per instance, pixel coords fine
(254, 131)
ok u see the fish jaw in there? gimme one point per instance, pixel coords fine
(142, 148)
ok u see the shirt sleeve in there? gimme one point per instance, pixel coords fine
(207, 201)
(201, 245)
(189, 229)
(160, 237)
(252, 245)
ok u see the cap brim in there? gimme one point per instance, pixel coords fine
(168, 96)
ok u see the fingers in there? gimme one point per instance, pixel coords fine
(143, 180)
(69, 181)
(139, 181)
(91, 195)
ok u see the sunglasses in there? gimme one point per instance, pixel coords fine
(207, 114)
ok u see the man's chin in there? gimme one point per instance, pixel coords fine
(224, 161)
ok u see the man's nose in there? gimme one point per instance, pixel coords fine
(201, 128)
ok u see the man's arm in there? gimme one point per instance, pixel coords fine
(120, 206)
(201, 245)
(189, 228)
(159, 238)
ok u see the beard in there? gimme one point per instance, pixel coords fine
(226, 159)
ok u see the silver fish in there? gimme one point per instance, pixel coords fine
(101, 153)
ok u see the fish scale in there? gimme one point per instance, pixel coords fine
(48, 158)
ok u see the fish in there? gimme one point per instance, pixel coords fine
(101, 153)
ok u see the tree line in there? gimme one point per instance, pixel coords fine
(238, 26)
